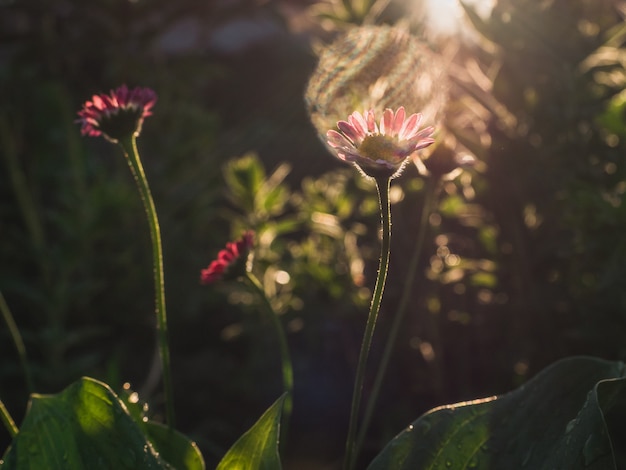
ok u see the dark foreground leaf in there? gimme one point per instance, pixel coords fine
(570, 416)
(87, 426)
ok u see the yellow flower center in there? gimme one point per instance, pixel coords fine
(379, 147)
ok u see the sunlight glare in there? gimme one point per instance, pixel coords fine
(446, 16)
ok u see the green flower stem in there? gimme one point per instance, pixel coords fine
(287, 368)
(129, 146)
(8, 421)
(382, 184)
(430, 191)
(17, 339)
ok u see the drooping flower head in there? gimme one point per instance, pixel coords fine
(231, 262)
(379, 149)
(445, 161)
(118, 115)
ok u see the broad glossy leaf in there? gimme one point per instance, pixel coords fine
(84, 426)
(174, 447)
(612, 400)
(555, 421)
(257, 449)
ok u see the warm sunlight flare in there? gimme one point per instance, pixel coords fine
(447, 17)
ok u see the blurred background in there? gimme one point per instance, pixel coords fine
(524, 261)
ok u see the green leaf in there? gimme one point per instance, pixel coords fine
(174, 447)
(84, 426)
(612, 400)
(273, 195)
(244, 177)
(258, 447)
(565, 418)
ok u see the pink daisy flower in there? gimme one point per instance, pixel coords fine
(379, 148)
(117, 115)
(231, 261)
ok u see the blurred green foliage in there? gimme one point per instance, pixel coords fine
(524, 262)
(555, 172)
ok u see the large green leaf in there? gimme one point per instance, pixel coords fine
(257, 449)
(612, 400)
(564, 418)
(87, 426)
(174, 447)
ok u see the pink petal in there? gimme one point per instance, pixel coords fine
(348, 155)
(398, 121)
(97, 102)
(233, 247)
(424, 143)
(225, 256)
(212, 273)
(358, 122)
(370, 117)
(122, 95)
(349, 131)
(337, 140)
(110, 103)
(386, 123)
(410, 127)
(426, 132)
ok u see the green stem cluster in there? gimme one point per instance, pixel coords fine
(129, 146)
(382, 184)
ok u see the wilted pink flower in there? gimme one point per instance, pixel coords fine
(445, 161)
(117, 115)
(379, 149)
(231, 261)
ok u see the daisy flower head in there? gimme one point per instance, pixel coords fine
(117, 115)
(232, 262)
(379, 149)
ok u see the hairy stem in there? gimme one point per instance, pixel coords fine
(287, 368)
(429, 196)
(132, 156)
(382, 184)
(8, 421)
